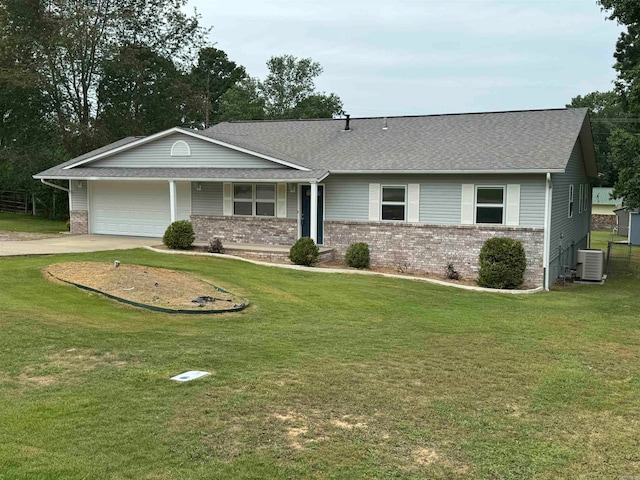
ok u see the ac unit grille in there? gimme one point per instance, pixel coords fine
(590, 265)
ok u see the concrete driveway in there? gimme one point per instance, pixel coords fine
(73, 244)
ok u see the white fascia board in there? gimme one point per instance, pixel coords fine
(193, 179)
(449, 172)
(190, 133)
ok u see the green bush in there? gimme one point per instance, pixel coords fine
(357, 255)
(179, 235)
(502, 263)
(215, 246)
(304, 252)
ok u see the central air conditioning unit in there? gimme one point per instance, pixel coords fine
(590, 265)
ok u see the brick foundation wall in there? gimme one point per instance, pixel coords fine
(603, 222)
(269, 231)
(428, 248)
(79, 220)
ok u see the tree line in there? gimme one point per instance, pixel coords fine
(78, 74)
(615, 115)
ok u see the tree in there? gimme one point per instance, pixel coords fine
(141, 92)
(210, 79)
(606, 113)
(78, 38)
(624, 142)
(288, 92)
(242, 102)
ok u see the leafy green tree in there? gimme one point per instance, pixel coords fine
(624, 142)
(287, 92)
(77, 39)
(606, 114)
(141, 92)
(210, 79)
(243, 102)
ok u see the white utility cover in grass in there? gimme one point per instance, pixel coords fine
(190, 375)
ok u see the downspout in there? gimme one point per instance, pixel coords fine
(547, 231)
(49, 184)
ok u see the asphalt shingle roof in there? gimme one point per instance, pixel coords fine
(519, 140)
(516, 141)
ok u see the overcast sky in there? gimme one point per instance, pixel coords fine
(418, 57)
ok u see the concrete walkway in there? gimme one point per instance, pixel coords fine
(73, 244)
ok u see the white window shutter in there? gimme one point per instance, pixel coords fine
(468, 192)
(227, 199)
(512, 216)
(413, 196)
(374, 202)
(282, 201)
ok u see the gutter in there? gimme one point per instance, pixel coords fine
(547, 231)
(447, 172)
(189, 179)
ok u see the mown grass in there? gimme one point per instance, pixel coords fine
(323, 376)
(20, 222)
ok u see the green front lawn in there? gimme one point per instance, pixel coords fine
(20, 222)
(323, 376)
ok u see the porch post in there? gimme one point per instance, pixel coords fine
(172, 200)
(314, 213)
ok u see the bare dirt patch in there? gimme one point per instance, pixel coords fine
(157, 287)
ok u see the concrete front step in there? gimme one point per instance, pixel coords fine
(271, 253)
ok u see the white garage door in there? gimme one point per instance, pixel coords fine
(130, 208)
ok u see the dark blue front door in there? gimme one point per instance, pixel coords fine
(305, 192)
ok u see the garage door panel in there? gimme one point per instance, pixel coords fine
(130, 208)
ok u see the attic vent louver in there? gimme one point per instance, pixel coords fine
(346, 125)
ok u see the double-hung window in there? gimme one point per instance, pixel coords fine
(394, 203)
(490, 205)
(254, 200)
(265, 200)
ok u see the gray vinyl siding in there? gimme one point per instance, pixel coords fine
(567, 235)
(157, 154)
(347, 196)
(78, 195)
(208, 200)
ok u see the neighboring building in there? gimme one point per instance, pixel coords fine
(423, 191)
(603, 208)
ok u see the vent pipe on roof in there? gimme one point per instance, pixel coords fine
(346, 125)
(385, 126)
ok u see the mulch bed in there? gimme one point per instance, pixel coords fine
(157, 287)
(6, 236)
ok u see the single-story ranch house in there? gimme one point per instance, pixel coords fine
(422, 191)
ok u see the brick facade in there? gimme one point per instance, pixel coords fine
(603, 222)
(269, 231)
(79, 221)
(429, 248)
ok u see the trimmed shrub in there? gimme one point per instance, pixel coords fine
(304, 252)
(215, 246)
(451, 273)
(179, 235)
(357, 255)
(502, 263)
